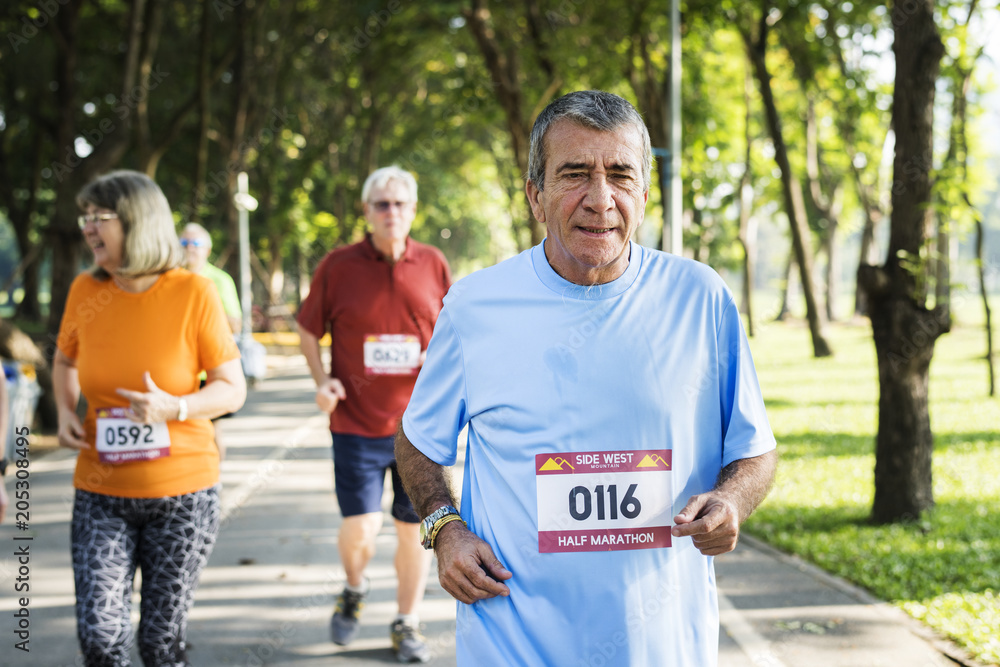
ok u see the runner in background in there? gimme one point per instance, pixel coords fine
(136, 332)
(197, 244)
(378, 300)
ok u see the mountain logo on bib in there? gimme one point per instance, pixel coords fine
(556, 464)
(653, 461)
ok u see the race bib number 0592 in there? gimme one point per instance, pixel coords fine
(119, 439)
(603, 501)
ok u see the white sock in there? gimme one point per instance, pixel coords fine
(360, 590)
(410, 619)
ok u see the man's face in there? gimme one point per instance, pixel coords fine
(594, 199)
(390, 211)
(196, 246)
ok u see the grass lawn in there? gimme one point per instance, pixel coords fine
(944, 569)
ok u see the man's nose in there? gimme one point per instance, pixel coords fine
(599, 197)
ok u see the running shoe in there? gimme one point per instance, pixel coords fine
(346, 621)
(407, 643)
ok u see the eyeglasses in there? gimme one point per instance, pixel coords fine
(384, 206)
(197, 243)
(96, 218)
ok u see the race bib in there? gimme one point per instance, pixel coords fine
(603, 501)
(119, 439)
(392, 354)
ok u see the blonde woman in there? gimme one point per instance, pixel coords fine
(136, 332)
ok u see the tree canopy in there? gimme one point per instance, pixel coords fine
(308, 97)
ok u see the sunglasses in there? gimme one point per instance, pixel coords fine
(384, 206)
(96, 218)
(197, 243)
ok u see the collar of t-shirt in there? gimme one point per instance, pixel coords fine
(373, 252)
(565, 288)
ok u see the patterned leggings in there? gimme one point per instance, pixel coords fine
(170, 540)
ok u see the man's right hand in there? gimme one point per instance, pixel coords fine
(329, 394)
(467, 567)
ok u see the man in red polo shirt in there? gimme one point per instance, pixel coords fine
(379, 300)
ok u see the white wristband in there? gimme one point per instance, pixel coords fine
(182, 409)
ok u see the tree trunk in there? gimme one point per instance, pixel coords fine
(63, 235)
(20, 216)
(824, 200)
(867, 250)
(794, 205)
(238, 123)
(204, 115)
(748, 226)
(503, 69)
(29, 308)
(980, 268)
(942, 261)
(652, 97)
(74, 172)
(699, 245)
(787, 288)
(904, 330)
(959, 149)
(153, 22)
(846, 122)
(832, 270)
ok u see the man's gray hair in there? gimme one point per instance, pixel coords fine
(595, 109)
(381, 177)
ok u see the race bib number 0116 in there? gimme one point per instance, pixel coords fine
(603, 501)
(119, 439)
(392, 354)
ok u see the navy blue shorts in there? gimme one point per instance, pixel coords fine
(359, 467)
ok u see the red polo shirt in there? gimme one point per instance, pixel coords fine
(380, 316)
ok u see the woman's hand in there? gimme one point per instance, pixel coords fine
(71, 434)
(151, 406)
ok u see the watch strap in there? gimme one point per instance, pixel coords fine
(441, 523)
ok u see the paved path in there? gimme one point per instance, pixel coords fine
(267, 594)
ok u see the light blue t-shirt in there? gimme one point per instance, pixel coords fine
(589, 408)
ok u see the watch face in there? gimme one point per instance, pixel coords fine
(425, 532)
(427, 525)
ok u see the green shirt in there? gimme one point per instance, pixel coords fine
(227, 290)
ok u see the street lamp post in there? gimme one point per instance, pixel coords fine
(244, 204)
(674, 241)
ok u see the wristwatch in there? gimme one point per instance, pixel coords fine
(182, 409)
(434, 522)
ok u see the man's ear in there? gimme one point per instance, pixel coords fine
(534, 199)
(642, 213)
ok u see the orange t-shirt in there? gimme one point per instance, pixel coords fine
(174, 329)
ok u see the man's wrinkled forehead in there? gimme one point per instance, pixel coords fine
(617, 150)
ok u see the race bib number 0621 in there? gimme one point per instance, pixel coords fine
(603, 501)
(392, 354)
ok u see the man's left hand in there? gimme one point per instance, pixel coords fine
(712, 521)
(151, 406)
